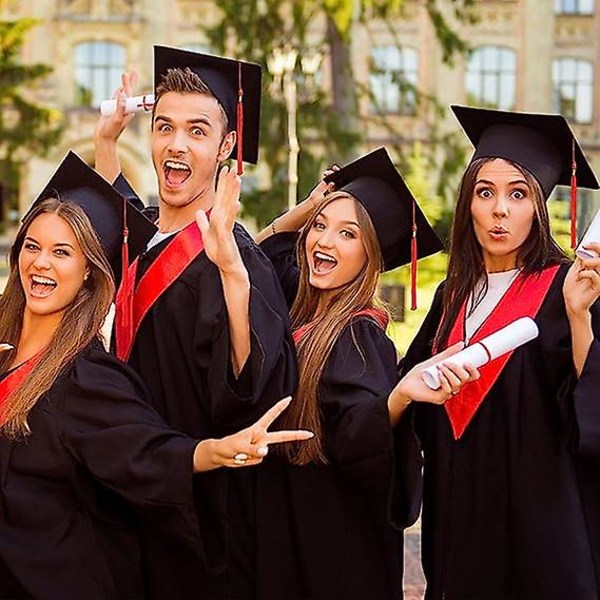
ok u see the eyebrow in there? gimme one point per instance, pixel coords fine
(204, 120)
(32, 239)
(322, 214)
(513, 182)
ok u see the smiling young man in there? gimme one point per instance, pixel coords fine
(211, 342)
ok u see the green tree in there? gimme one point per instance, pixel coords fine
(24, 124)
(329, 127)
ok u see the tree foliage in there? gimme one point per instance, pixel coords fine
(24, 124)
(329, 127)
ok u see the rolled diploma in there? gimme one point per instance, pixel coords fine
(591, 235)
(132, 105)
(480, 353)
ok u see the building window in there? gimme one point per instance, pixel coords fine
(491, 77)
(98, 68)
(573, 88)
(393, 80)
(574, 7)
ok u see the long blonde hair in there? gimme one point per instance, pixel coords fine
(323, 331)
(78, 327)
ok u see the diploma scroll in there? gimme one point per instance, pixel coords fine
(132, 105)
(591, 235)
(480, 353)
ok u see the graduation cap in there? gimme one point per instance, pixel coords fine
(543, 144)
(402, 229)
(75, 181)
(234, 83)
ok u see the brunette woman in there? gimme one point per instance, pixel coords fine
(503, 513)
(331, 513)
(75, 430)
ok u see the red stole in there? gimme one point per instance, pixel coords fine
(133, 302)
(16, 377)
(523, 298)
(378, 315)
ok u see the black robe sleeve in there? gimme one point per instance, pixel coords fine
(357, 379)
(270, 371)
(123, 443)
(281, 251)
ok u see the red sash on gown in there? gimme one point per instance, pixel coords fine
(523, 298)
(16, 377)
(133, 302)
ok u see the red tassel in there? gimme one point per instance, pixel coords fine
(413, 260)
(125, 316)
(240, 123)
(573, 199)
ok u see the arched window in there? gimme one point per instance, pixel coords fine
(491, 77)
(574, 7)
(98, 68)
(393, 80)
(573, 81)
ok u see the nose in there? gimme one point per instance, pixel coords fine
(326, 239)
(177, 142)
(500, 209)
(42, 261)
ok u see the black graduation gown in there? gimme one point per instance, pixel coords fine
(502, 507)
(93, 436)
(587, 407)
(182, 353)
(335, 530)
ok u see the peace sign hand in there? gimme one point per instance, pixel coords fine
(249, 446)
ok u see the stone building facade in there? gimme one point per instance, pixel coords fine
(532, 55)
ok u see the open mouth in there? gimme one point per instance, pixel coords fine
(176, 172)
(323, 263)
(41, 287)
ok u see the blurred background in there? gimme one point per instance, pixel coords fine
(341, 77)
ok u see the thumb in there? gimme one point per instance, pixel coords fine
(443, 355)
(202, 222)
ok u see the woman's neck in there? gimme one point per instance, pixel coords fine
(37, 333)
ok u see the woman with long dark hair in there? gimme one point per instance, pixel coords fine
(503, 510)
(76, 435)
(332, 513)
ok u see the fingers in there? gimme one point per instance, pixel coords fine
(129, 82)
(453, 377)
(267, 419)
(202, 222)
(294, 435)
(228, 193)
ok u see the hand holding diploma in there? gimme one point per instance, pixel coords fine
(131, 105)
(480, 353)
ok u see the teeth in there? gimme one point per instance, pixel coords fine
(43, 280)
(176, 165)
(326, 257)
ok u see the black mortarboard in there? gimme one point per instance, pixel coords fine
(374, 181)
(229, 80)
(543, 144)
(76, 182)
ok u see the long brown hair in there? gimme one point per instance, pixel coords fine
(466, 266)
(79, 326)
(324, 330)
